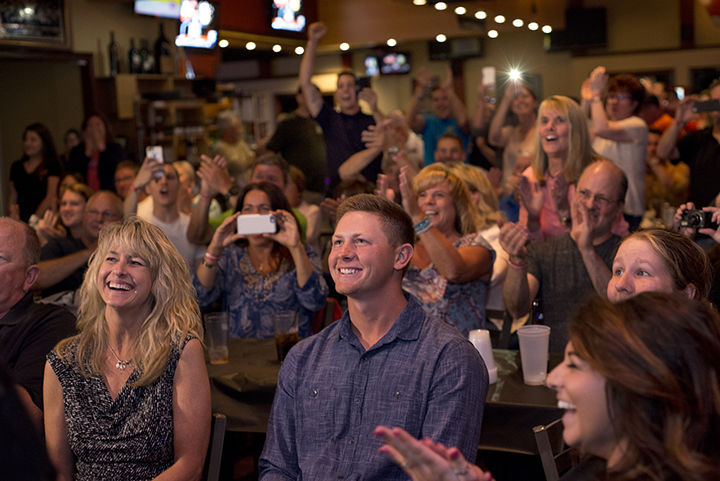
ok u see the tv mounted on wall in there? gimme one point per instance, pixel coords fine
(287, 15)
(158, 8)
(197, 24)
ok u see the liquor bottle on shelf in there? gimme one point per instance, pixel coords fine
(134, 58)
(113, 55)
(163, 57)
(148, 61)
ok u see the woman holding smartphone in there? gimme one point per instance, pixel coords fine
(257, 275)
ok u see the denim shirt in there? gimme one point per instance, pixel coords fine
(332, 393)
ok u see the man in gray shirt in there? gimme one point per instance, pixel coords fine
(566, 269)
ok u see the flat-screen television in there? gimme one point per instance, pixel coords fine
(287, 15)
(197, 24)
(158, 8)
(387, 63)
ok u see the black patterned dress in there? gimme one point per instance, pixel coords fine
(128, 438)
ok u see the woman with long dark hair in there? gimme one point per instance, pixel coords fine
(34, 178)
(261, 274)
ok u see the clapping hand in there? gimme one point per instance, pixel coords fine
(214, 176)
(370, 96)
(409, 197)
(49, 227)
(584, 222)
(598, 80)
(426, 460)
(531, 197)
(383, 188)
(513, 239)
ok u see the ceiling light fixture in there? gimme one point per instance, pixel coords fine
(492, 33)
(547, 29)
(460, 10)
(277, 48)
(499, 19)
(440, 6)
(518, 23)
(344, 46)
(533, 26)
(223, 43)
(299, 50)
(419, 2)
(480, 15)
(391, 42)
(250, 45)
(440, 37)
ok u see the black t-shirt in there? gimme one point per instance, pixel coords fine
(27, 334)
(107, 162)
(32, 188)
(343, 139)
(61, 247)
(701, 152)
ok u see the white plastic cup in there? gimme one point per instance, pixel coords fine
(534, 343)
(480, 338)
(216, 333)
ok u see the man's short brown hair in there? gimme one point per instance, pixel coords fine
(396, 222)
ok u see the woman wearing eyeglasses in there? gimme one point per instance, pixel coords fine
(619, 134)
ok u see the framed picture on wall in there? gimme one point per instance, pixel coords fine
(42, 23)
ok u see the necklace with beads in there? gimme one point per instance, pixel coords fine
(120, 363)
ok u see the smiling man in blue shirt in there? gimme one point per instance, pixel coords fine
(383, 363)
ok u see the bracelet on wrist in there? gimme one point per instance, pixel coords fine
(211, 257)
(522, 266)
(207, 264)
(422, 226)
(137, 189)
(206, 197)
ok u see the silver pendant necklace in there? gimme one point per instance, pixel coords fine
(120, 363)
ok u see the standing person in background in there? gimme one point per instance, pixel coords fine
(619, 134)
(343, 129)
(294, 194)
(299, 140)
(72, 139)
(517, 141)
(97, 157)
(664, 181)
(232, 147)
(448, 113)
(700, 150)
(34, 178)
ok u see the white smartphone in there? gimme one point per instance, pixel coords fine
(256, 224)
(154, 152)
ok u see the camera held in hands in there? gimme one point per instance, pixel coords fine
(697, 219)
(256, 224)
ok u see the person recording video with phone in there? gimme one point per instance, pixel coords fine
(700, 149)
(257, 263)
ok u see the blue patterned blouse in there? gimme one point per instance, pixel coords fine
(461, 305)
(252, 299)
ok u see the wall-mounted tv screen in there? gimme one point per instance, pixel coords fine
(287, 15)
(158, 8)
(393, 63)
(197, 24)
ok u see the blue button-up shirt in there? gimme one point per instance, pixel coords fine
(422, 376)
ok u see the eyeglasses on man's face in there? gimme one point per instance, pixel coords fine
(598, 200)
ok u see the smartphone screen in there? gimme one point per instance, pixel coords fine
(680, 93)
(154, 152)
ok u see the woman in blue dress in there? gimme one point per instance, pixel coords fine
(261, 274)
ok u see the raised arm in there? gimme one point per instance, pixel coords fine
(369, 96)
(313, 99)
(602, 126)
(214, 179)
(498, 134)
(457, 108)
(667, 146)
(412, 115)
(480, 114)
(148, 170)
(191, 415)
(520, 287)
(223, 236)
(582, 228)
(288, 235)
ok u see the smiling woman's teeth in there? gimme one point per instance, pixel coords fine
(565, 405)
(348, 271)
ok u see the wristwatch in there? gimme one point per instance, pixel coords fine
(232, 191)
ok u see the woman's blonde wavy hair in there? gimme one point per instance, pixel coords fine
(476, 181)
(580, 152)
(466, 214)
(174, 313)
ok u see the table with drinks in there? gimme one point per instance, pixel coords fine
(243, 389)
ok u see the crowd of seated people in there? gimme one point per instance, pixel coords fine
(589, 181)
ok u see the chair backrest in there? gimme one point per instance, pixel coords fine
(214, 454)
(554, 453)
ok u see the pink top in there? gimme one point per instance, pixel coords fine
(550, 223)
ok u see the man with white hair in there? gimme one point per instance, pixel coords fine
(231, 145)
